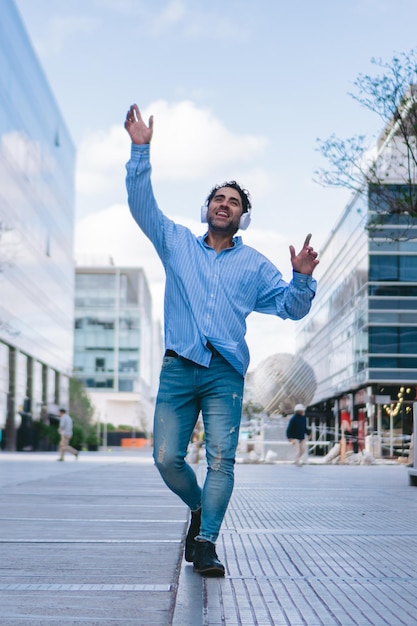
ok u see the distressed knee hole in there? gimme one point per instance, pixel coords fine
(161, 453)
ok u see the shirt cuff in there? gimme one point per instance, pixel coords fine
(303, 280)
(139, 150)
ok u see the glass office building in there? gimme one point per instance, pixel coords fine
(361, 335)
(36, 239)
(114, 346)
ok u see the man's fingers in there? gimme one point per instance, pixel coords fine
(130, 115)
(307, 241)
(306, 245)
(135, 110)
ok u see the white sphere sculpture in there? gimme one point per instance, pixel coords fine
(281, 381)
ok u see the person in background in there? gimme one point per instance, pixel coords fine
(213, 282)
(297, 432)
(65, 430)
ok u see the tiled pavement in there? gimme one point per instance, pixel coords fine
(99, 541)
(94, 541)
(318, 545)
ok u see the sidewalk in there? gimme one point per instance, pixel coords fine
(99, 541)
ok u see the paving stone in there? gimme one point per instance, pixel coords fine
(100, 541)
(92, 542)
(316, 546)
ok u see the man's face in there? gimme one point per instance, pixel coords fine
(225, 211)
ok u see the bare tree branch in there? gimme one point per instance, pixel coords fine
(386, 170)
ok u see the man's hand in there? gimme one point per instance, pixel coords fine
(306, 260)
(136, 127)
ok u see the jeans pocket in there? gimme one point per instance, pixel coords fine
(169, 361)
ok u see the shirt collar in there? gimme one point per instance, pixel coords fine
(237, 241)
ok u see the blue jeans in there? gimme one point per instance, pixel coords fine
(185, 389)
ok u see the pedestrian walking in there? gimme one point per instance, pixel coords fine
(65, 430)
(297, 433)
(213, 282)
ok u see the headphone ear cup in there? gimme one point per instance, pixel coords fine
(244, 221)
(204, 211)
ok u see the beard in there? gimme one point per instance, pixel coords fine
(223, 226)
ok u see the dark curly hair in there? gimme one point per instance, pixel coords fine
(244, 194)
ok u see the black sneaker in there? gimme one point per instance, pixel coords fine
(206, 561)
(191, 535)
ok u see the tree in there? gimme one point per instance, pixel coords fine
(386, 172)
(251, 410)
(80, 406)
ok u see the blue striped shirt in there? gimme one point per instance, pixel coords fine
(208, 296)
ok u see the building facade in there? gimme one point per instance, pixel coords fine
(115, 345)
(361, 334)
(36, 241)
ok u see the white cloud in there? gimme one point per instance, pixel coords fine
(100, 162)
(113, 232)
(271, 244)
(189, 143)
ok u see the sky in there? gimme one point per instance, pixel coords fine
(239, 90)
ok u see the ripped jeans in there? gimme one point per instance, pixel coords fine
(185, 389)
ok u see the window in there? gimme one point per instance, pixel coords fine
(408, 268)
(392, 290)
(408, 340)
(393, 362)
(392, 304)
(128, 365)
(125, 385)
(389, 267)
(387, 362)
(100, 364)
(390, 340)
(383, 340)
(383, 267)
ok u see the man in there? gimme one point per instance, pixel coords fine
(212, 284)
(65, 430)
(297, 432)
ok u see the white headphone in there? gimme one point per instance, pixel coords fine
(244, 219)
